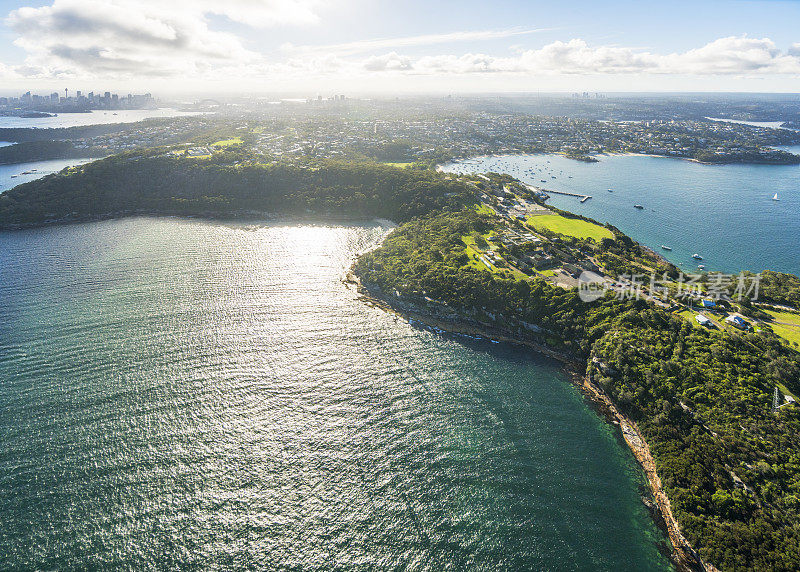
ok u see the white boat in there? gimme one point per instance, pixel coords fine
(775, 198)
(666, 247)
(697, 256)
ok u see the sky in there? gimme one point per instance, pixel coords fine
(378, 46)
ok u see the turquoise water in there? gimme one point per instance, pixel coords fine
(186, 394)
(12, 175)
(725, 213)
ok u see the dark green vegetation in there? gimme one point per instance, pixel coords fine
(43, 151)
(780, 288)
(748, 156)
(27, 134)
(167, 184)
(702, 398)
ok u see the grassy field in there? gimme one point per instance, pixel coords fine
(484, 209)
(569, 227)
(688, 316)
(228, 142)
(402, 165)
(790, 333)
(473, 252)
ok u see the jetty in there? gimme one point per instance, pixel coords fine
(583, 198)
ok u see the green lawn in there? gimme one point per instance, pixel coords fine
(228, 142)
(484, 209)
(789, 333)
(570, 227)
(402, 165)
(688, 316)
(473, 252)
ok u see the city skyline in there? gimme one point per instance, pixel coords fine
(361, 47)
(78, 101)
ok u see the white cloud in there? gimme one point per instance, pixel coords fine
(391, 61)
(144, 37)
(172, 39)
(733, 55)
(363, 46)
(725, 56)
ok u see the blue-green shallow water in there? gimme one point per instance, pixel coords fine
(725, 213)
(189, 394)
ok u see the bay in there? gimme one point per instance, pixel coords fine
(725, 213)
(18, 173)
(191, 394)
(94, 117)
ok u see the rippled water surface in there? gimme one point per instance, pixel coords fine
(182, 393)
(725, 213)
(18, 173)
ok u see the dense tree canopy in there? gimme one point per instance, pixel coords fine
(172, 185)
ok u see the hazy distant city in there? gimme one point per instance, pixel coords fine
(79, 102)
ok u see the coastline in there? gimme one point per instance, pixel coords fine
(682, 556)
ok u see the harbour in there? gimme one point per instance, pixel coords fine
(749, 230)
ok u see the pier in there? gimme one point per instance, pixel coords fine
(583, 198)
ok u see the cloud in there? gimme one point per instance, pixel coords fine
(391, 61)
(726, 56)
(362, 46)
(733, 55)
(144, 37)
(123, 39)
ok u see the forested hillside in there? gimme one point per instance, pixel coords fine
(175, 185)
(43, 151)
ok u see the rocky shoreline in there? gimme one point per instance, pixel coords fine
(683, 556)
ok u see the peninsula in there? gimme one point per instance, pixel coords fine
(697, 404)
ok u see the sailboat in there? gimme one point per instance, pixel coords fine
(775, 198)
